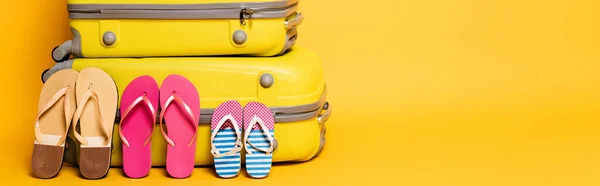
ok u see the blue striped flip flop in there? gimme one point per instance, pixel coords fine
(258, 139)
(226, 138)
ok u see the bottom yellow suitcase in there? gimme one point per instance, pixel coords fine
(291, 85)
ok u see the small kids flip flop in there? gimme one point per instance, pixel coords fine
(55, 110)
(180, 104)
(258, 139)
(139, 104)
(97, 99)
(225, 140)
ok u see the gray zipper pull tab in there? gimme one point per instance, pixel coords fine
(243, 12)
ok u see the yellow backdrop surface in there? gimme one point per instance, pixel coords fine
(426, 92)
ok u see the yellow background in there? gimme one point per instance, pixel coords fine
(425, 92)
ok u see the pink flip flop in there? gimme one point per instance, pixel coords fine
(226, 138)
(258, 139)
(180, 104)
(138, 116)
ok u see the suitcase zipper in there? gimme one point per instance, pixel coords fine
(179, 12)
(243, 12)
(249, 12)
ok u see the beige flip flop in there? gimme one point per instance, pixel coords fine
(97, 99)
(55, 110)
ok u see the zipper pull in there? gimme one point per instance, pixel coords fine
(245, 11)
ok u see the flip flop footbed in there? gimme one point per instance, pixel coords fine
(226, 118)
(94, 159)
(258, 164)
(53, 124)
(139, 104)
(179, 123)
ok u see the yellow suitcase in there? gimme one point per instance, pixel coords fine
(292, 85)
(153, 28)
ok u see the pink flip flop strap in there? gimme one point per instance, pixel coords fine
(189, 115)
(90, 93)
(136, 102)
(59, 94)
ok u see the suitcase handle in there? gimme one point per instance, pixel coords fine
(322, 118)
(62, 52)
(295, 21)
(57, 67)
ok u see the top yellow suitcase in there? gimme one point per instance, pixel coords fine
(158, 28)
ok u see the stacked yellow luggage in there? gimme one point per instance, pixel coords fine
(151, 28)
(229, 49)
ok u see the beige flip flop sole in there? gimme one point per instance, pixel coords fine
(49, 146)
(96, 138)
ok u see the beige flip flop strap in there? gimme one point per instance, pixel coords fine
(238, 144)
(141, 99)
(256, 120)
(59, 94)
(190, 117)
(90, 93)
